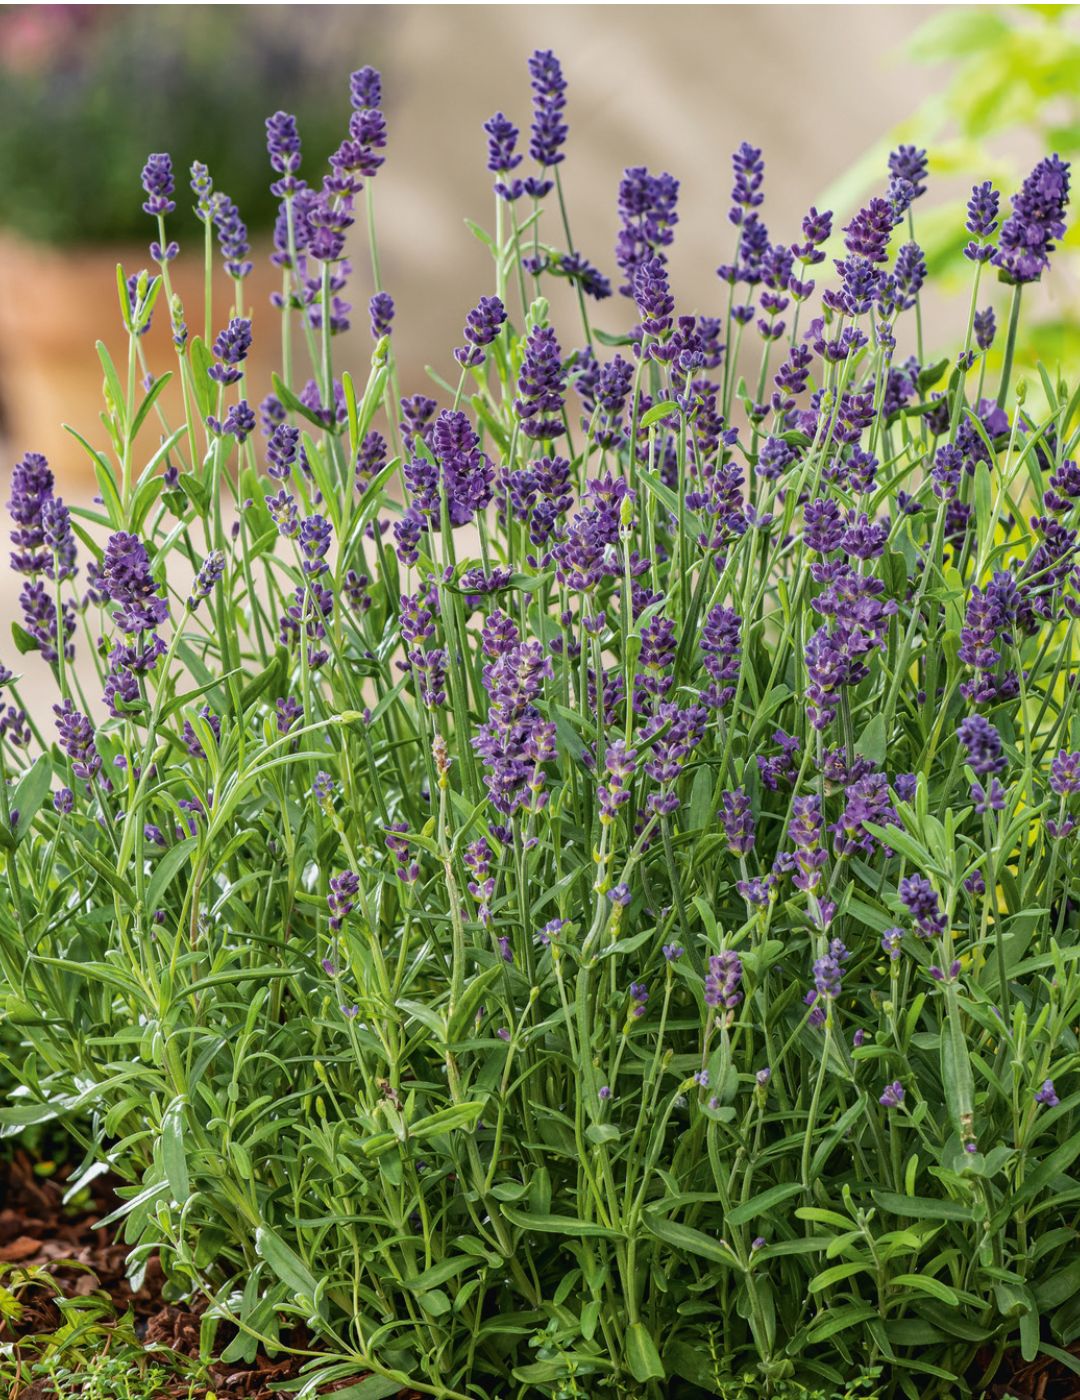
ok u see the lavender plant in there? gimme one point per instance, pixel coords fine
(567, 885)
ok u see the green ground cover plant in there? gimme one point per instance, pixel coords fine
(567, 885)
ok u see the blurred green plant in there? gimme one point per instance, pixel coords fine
(1011, 93)
(71, 77)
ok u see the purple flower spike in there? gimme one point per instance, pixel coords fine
(868, 234)
(207, 579)
(647, 209)
(749, 171)
(381, 309)
(158, 182)
(1065, 773)
(982, 222)
(281, 450)
(828, 979)
(77, 740)
(805, 833)
(983, 744)
(893, 1096)
(549, 130)
(365, 88)
(920, 900)
(723, 981)
(908, 163)
(541, 386)
(31, 491)
(985, 328)
(343, 888)
(231, 348)
(128, 581)
(314, 538)
(721, 645)
(232, 237)
(288, 712)
(1037, 219)
(59, 539)
(738, 821)
(283, 144)
(467, 472)
(482, 325)
(656, 304)
(1047, 1095)
(503, 156)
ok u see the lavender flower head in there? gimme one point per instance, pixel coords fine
(231, 348)
(549, 130)
(983, 744)
(985, 328)
(365, 88)
(281, 450)
(920, 900)
(908, 163)
(381, 309)
(1038, 218)
(283, 145)
(159, 184)
(207, 579)
(1065, 773)
(503, 157)
(647, 207)
(232, 237)
(723, 980)
(828, 979)
(541, 386)
(343, 888)
(749, 171)
(128, 581)
(31, 491)
(482, 325)
(77, 740)
(738, 821)
(982, 221)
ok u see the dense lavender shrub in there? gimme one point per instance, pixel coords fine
(567, 883)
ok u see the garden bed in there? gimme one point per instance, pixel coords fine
(37, 1231)
(41, 1236)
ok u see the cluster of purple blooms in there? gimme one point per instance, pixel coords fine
(44, 550)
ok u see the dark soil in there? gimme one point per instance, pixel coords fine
(1041, 1379)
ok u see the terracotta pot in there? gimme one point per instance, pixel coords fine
(56, 303)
